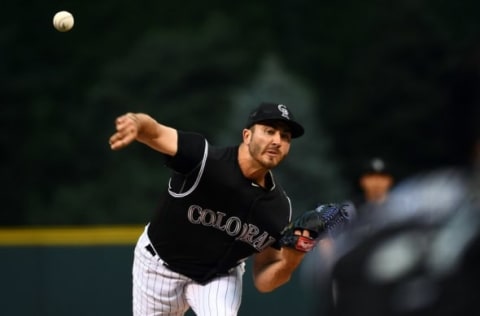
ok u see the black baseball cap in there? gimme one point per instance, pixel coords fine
(266, 112)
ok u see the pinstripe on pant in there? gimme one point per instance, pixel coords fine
(160, 291)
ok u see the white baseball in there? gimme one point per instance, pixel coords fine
(63, 21)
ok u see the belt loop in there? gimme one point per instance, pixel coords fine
(151, 250)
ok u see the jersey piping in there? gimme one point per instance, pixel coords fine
(197, 180)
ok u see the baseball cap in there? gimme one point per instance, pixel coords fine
(275, 112)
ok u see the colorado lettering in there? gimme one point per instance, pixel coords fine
(232, 226)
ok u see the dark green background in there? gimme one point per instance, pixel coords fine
(396, 79)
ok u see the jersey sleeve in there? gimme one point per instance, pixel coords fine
(190, 153)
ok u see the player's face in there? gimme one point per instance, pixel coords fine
(269, 145)
(376, 186)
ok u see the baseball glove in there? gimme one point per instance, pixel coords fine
(325, 219)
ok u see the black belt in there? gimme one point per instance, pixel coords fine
(154, 253)
(150, 249)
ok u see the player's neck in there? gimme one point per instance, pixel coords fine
(250, 168)
(376, 197)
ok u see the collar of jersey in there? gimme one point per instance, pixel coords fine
(272, 180)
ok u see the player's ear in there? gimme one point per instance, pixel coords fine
(362, 181)
(246, 135)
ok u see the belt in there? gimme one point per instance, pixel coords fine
(151, 250)
(154, 253)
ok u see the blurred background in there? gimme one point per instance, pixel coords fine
(394, 79)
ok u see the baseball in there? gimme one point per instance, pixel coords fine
(63, 21)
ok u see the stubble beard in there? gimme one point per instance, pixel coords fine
(263, 160)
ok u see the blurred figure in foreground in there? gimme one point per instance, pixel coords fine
(422, 255)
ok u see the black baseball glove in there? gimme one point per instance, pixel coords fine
(326, 219)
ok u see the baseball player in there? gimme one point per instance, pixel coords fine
(221, 205)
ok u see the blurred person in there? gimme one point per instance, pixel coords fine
(375, 182)
(422, 255)
(221, 206)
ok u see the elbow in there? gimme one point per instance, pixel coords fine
(269, 286)
(264, 289)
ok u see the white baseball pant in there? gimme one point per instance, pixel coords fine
(160, 291)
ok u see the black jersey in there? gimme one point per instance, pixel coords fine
(211, 217)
